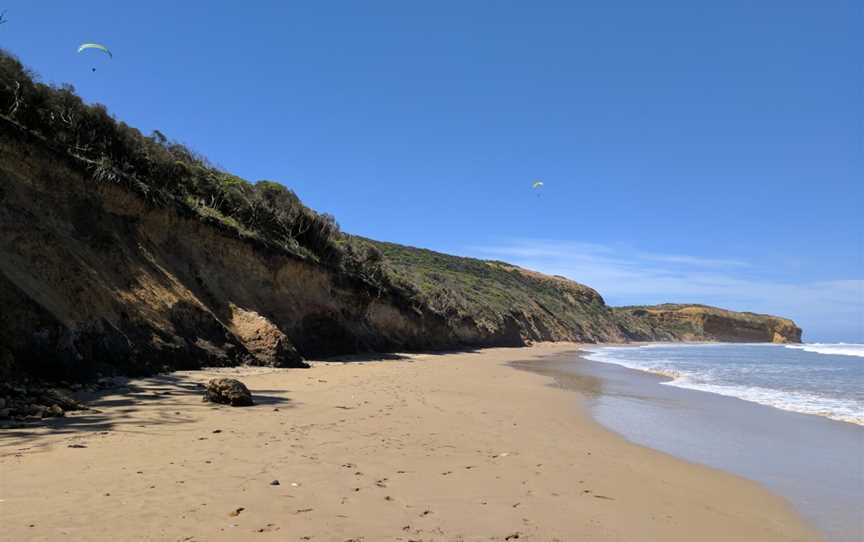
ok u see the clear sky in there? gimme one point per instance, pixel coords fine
(691, 151)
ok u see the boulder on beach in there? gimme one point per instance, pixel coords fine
(228, 391)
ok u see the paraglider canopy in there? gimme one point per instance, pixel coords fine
(97, 46)
(537, 184)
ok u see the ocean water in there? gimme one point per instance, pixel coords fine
(819, 379)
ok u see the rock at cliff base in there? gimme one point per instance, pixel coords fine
(53, 411)
(228, 391)
(267, 344)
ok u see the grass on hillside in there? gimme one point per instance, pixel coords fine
(461, 286)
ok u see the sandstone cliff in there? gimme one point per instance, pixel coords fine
(672, 322)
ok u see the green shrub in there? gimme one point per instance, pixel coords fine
(163, 171)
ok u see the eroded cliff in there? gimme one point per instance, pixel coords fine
(93, 279)
(673, 322)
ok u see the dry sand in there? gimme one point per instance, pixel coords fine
(452, 447)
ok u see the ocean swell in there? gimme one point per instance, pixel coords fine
(804, 403)
(836, 349)
(682, 373)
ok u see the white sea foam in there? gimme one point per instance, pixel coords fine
(671, 345)
(804, 403)
(658, 367)
(834, 349)
(684, 373)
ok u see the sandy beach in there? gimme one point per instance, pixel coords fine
(450, 447)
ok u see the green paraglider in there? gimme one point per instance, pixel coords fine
(99, 47)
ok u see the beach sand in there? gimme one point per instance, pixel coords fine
(450, 447)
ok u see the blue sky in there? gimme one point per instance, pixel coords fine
(691, 151)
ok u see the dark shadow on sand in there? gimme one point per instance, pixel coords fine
(390, 356)
(114, 409)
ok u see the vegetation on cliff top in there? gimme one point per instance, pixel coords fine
(485, 290)
(164, 172)
(696, 308)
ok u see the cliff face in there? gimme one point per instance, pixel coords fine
(91, 276)
(671, 322)
(92, 279)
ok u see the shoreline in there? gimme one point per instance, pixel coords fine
(672, 378)
(455, 446)
(771, 446)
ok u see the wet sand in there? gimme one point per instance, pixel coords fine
(451, 447)
(815, 462)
